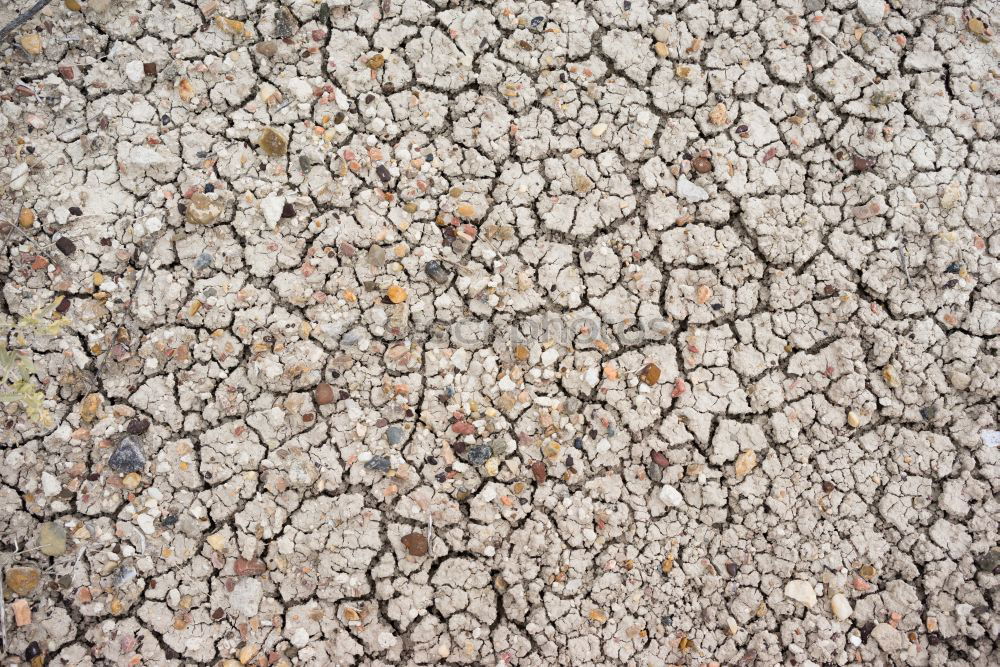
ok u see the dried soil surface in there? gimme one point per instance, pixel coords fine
(635, 332)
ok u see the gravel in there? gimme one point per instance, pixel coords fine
(608, 333)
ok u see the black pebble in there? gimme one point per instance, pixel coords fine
(732, 568)
(138, 426)
(63, 305)
(379, 464)
(437, 272)
(209, 188)
(383, 173)
(128, 456)
(954, 267)
(32, 652)
(75, 210)
(288, 211)
(66, 246)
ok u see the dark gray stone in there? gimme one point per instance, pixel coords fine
(128, 456)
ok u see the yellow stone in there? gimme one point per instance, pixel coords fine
(396, 294)
(116, 606)
(889, 375)
(26, 218)
(466, 210)
(598, 616)
(521, 353)
(272, 142)
(661, 49)
(977, 27)
(98, 279)
(216, 541)
(90, 407)
(247, 653)
(376, 61)
(185, 90)
(650, 374)
(668, 564)
(718, 115)
(32, 43)
(203, 210)
(72, 5)
(853, 419)
(231, 26)
(745, 462)
(22, 580)
(131, 480)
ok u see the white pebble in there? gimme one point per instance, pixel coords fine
(670, 496)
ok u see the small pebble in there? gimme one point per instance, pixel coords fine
(650, 374)
(26, 218)
(66, 246)
(801, 591)
(22, 580)
(32, 43)
(138, 426)
(32, 652)
(52, 539)
(702, 164)
(394, 435)
(416, 544)
(862, 164)
(249, 568)
(396, 294)
(478, 455)
(203, 261)
(272, 142)
(378, 464)
(745, 462)
(128, 456)
(840, 606)
(670, 496)
(203, 210)
(539, 471)
(323, 395)
(437, 272)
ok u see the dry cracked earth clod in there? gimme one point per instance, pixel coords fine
(517, 333)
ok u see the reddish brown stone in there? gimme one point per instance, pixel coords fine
(660, 459)
(323, 394)
(540, 472)
(249, 568)
(650, 374)
(416, 544)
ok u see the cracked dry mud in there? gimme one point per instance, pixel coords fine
(516, 333)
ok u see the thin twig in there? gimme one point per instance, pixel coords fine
(22, 18)
(3, 615)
